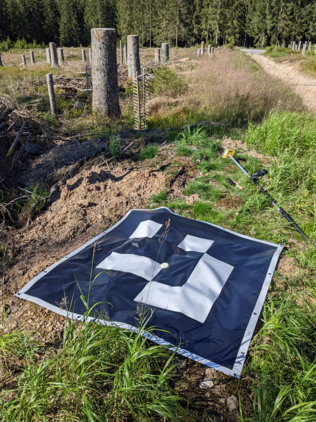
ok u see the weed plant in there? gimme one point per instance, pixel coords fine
(114, 145)
(150, 151)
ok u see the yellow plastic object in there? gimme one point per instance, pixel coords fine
(228, 152)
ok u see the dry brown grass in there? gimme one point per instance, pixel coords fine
(232, 88)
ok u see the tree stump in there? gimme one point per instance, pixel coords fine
(32, 57)
(90, 56)
(121, 53)
(83, 55)
(202, 47)
(105, 97)
(23, 61)
(157, 55)
(48, 59)
(125, 54)
(133, 62)
(53, 54)
(164, 52)
(1, 64)
(209, 49)
(51, 94)
(61, 59)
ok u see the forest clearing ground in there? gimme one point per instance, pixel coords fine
(289, 73)
(183, 170)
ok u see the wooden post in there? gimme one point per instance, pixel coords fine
(202, 47)
(121, 53)
(90, 56)
(133, 62)
(125, 54)
(300, 45)
(48, 59)
(1, 64)
(53, 54)
(209, 49)
(212, 50)
(32, 57)
(61, 59)
(23, 61)
(51, 93)
(105, 98)
(157, 55)
(304, 50)
(164, 52)
(83, 55)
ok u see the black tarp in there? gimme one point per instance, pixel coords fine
(206, 284)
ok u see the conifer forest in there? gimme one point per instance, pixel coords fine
(180, 22)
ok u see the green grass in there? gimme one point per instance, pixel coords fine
(150, 151)
(281, 363)
(99, 373)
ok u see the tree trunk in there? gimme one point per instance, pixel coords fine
(164, 52)
(53, 54)
(105, 97)
(133, 62)
(51, 94)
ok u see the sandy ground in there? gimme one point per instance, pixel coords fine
(302, 85)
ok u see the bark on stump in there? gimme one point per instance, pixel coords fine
(121, 53)
(53, 54)
(23, 61)
(61, 59)
(90, 56)
(32, 57)
(83, 55)
(133, 62)
(51, 93)
(157, 55)
(164, 52)
(48, 59)
(105, 97)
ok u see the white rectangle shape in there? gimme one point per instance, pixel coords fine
(197, 296)
(195, 244)
(130, 263)
(146, 229)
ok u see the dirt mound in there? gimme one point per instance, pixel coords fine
(48, 168)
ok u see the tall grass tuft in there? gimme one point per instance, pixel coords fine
(99, 373)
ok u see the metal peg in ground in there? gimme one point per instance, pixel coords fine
(48, 59)
(105, 98)
(83, 55)
(164, 52)
(51, 94)
(53, 54)
(121, 53)
(61, 59)
(32, 57)
(157, 55)
(90, 56)
(23, 61)
(133, 62)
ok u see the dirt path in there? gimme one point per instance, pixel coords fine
(302, 85)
